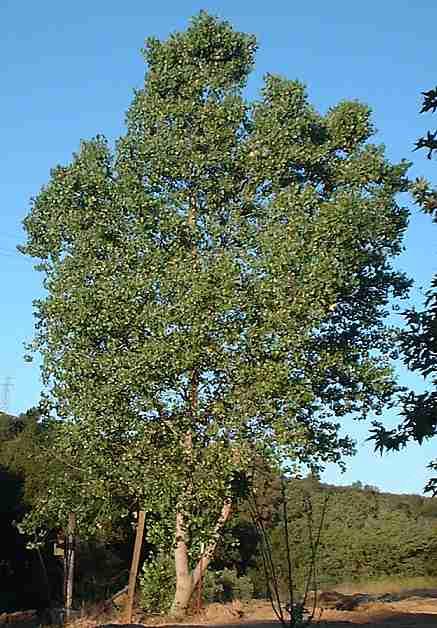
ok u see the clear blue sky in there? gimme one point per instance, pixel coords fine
(67, 73)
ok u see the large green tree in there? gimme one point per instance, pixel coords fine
(216, 287)
(418, 340)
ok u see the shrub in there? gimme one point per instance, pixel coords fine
(243, 589)
(157, 584)
(212, 587)
(258, 581)
(226, 585)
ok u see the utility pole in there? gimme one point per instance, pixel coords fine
(69, 556)
(6, 394)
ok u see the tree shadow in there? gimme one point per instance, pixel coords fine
(381, 620)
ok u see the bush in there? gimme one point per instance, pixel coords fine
(226, 585)
(258, 581)
(212, 588)
(157, 584)
(243, 589)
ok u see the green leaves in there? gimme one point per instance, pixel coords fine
(224, 273)
(366, 535)
(209, 55)
(418, 341)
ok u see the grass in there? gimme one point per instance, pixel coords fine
(387, 585)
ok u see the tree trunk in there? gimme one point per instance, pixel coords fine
(203, 563)
(187, 582)
(184, 579)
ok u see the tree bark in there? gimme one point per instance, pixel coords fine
(208, 555)
(186, 581)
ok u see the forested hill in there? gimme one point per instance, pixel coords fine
(366, 534)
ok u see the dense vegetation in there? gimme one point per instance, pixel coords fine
(17, 564)
(32, 577)
(367, 535)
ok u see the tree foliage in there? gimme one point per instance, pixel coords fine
(21, 478)
(217, 285)
(419, 339)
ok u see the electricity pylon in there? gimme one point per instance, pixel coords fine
(6, 394)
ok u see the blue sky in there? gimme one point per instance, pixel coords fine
(68, 71)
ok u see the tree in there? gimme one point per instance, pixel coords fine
(30, 467)
(419, 339)
(216, 290)
(24, 583)
(28, 453)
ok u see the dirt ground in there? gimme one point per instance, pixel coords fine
(415, 611)
(411, 609)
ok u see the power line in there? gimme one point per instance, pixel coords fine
(12, 236)
(8, 252)
(6, 394)
(14, 255)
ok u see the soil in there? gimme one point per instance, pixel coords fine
(411, 612)
(408, 609)
(415, 609)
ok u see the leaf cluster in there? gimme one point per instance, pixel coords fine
(418, 340)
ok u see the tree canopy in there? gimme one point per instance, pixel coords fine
(217, 288)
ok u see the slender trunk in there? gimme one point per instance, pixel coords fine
(187, 581)
(184, 579)
(69, 575)
(134, 567)
(208, 555)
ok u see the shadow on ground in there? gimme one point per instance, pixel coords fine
(401, 620)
